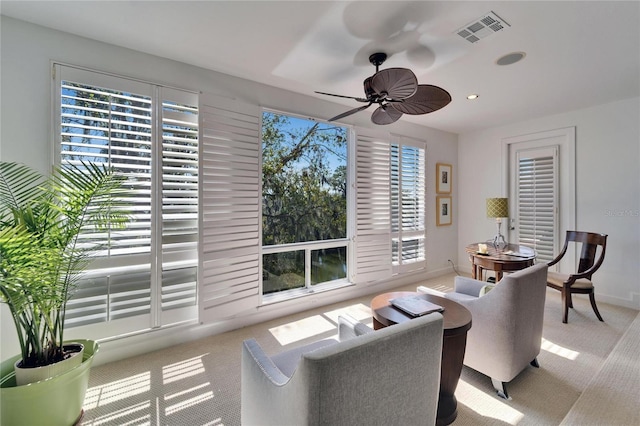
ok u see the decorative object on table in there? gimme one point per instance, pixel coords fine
(443, 213)
(397, 92)
(579, 282)
(443, 178)
(498, 208)
(483, 249)
(415, 305)
(41, 259)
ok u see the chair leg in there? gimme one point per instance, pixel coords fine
(592, 299)
(501, 388)
(535, 363)
(569, 299)
(565, 305)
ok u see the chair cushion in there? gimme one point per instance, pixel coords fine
(287, 361)
(459, 297)
(558, 279)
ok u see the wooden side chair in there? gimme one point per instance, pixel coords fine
(580, 282)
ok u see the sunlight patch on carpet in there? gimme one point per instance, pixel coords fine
(301, 329)
(131, 414)
(188, 403)
(117, 390)
(559, 350)
(183, 369)
(486, 405)
(358, 311)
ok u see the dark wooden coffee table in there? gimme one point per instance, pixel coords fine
(457, 321)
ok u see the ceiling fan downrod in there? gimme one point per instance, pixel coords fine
(377, 59)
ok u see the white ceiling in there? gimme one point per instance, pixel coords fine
(578, 53)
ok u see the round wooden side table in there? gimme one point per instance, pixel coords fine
(457, 321)
(499, 260)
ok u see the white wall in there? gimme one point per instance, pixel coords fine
(25, 136)
(607, 188)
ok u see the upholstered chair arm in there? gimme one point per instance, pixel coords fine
(428, 290)
(349, 327)
(261, 364)
(468, 286)
(266, 389)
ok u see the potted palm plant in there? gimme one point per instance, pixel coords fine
(44, 224)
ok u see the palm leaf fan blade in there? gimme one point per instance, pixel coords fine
(385, 115)
(396, 83)
(427, 99)
(351, 111)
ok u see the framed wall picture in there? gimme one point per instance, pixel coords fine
(444, 213)
(443, 178)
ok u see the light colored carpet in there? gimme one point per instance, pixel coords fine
(613, 395)
(199, 383)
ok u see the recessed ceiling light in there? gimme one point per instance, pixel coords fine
(511, 58)
(472, 96)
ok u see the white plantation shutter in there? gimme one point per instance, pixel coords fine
(150, 134)
(373, 238)
(537, 200)
(179, 180)
(408, 188)
(229, 246)
(111, 126)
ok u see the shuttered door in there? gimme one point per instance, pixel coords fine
(538, 200)
(229, 245)
(373, 217)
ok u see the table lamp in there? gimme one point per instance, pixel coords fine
(498, 208)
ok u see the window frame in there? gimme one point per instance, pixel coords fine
(147, 262)
(310, 246)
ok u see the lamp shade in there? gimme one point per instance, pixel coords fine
(497, 207)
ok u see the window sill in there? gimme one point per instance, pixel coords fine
(283, 296)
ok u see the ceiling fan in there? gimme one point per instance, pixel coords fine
(397, 92)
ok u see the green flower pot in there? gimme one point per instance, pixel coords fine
(55, 401)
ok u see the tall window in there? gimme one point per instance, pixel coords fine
(304, 203)
(407, 181)
(150, 134)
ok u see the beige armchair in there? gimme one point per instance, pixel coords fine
(507, 323)
(388, 376)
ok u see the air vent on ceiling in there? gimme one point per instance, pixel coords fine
(488, 24)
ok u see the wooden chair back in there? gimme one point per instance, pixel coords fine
(588, 252)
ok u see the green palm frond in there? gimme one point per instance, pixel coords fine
(40, 254)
